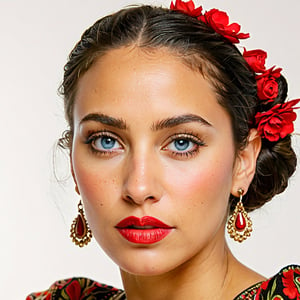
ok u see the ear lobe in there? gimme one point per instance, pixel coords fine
(245, 164)
(74, 177)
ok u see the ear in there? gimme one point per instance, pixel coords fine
(73, 174)
(245, 164)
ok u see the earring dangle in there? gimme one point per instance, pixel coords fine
(80, 231)
(239, 224)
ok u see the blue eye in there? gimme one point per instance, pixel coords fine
(184, 145)
(104, 143)
(181, 145)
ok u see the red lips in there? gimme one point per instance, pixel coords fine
(146, 230)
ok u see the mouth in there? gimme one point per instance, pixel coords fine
(146, 230)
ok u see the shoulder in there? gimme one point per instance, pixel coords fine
(283, 285)
(77, 288)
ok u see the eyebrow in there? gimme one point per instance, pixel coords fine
(106, 120)
(162, 124)
(177, 120)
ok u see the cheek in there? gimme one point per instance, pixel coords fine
(99, 190)
(201, 182)
(198, 197)
(96, 183)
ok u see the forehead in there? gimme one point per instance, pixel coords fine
(132, 79)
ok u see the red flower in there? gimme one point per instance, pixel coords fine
(256, 60)
(219, 21)
(267, 87)
(187, 8)
(74, 290)
(277, 122)
(290, 288)
(263, 286)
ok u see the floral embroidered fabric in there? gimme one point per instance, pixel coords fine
(284, 285)
(79, 289)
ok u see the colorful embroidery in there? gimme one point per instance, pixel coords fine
(282, 286)
(78, 288)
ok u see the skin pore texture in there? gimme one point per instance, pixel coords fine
(150, 139)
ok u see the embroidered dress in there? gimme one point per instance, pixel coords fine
(284, 285)
(79, 289)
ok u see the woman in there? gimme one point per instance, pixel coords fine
(172, 130)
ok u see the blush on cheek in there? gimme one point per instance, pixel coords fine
(98, 188)
(90, 184)
(205, 180)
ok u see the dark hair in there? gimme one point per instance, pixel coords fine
(202, 49)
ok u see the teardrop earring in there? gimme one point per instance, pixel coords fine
(80, 232)
(239, 224)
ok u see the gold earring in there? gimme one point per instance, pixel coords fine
(80, 231)
(239, 224)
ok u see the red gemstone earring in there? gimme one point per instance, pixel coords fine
(239, 224)
(80, 232)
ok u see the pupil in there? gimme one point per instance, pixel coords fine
(181, 144)
(107, 142)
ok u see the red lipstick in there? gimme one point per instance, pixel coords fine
(145, 230)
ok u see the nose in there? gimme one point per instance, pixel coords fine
(142, 180)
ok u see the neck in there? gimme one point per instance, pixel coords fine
(208, 275)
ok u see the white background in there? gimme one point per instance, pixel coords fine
(36, 211)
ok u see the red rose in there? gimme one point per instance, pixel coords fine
(267, 87)
(256, 60)
(219, 21)
(277, 122)
(187, 8)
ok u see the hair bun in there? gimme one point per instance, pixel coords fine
(275, 165)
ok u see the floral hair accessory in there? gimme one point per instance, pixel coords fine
(219, 21)
(216, 19)
(275, 123)
(256, 60)
(187, 8)
(267, 86)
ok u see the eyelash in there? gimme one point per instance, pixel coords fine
(92, 138)
(187, 136)
(191, 137)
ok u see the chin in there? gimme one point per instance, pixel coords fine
(144, 270)
(147, 262)
(141, 261)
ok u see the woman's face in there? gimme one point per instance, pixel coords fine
(151, 140)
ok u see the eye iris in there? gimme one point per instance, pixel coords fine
(181, 145)
(107, 142)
